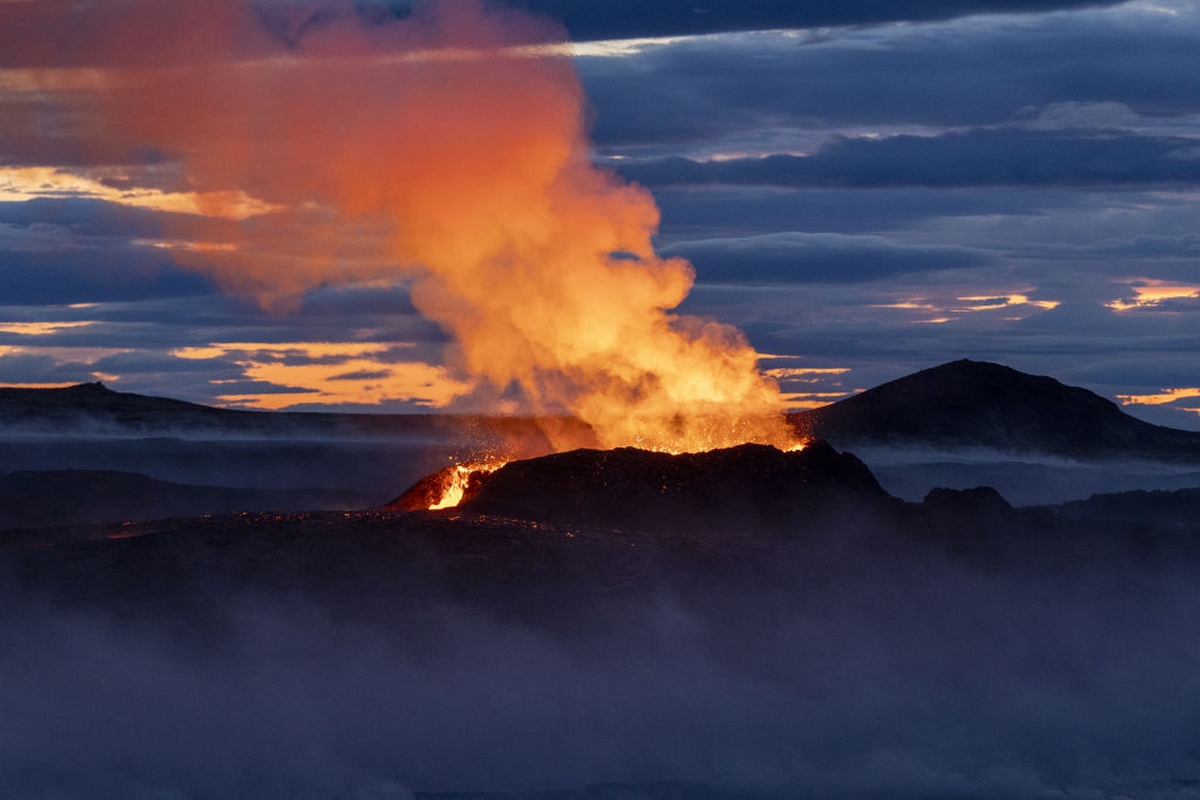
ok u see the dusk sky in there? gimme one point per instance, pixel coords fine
(191, 193)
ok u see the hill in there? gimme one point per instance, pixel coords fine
(95, 403)
(980, 404)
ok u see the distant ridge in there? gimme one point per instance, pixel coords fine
(958, 404)
(95, 402)
(981, 404)
(94, 408)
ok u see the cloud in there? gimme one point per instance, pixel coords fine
(726, 92)
(623, 20)
(331, 373)
(92, 272)
(1148, 294)
(991, 157)
(805, 257)
(18, 184)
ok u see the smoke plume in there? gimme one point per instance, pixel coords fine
(447, 150)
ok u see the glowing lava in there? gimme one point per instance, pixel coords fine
(457, 478)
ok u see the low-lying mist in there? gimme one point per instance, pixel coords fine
(845, 672)
(381, 467)
(1024, 479)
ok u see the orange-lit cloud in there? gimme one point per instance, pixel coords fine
(1018, 305)
(993, 302)
(41, 328)
(61, 385)
(1149, 294)
(64, 355)
(27, 183)
(331, 373)
(1163, 397)
(808, 400)
(447, 150)
(310, 350)
(804, 374)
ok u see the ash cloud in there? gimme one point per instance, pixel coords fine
(446, 151)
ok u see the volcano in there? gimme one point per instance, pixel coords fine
(631, 488)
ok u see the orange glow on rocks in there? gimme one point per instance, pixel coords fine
(447, 150)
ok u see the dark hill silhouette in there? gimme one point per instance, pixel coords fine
(1176, 510)
(94, 408)
(95, 401)
(981, 404)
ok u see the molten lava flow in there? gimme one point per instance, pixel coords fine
(457, 479)
(445, 151)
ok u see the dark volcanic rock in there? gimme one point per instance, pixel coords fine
(978, 519)
(982, 500)
(630, 488)
(979, 404)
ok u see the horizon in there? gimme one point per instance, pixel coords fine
(871, 194)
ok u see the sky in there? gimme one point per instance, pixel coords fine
(248, 204)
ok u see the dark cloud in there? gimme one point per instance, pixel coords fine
(989, 157)
(623, 19)
(806, 257)
(25, 368)
(705, 210)
(84, 217)
(964, 73)
(122, 273)
(78, 250)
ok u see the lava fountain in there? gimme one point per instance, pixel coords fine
(446, 151)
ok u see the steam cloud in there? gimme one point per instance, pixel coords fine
(312, 133)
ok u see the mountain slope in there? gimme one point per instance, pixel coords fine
(981, 404)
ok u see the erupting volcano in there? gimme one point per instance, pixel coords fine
(446, 152)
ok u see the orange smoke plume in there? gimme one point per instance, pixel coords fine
(447, 150)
